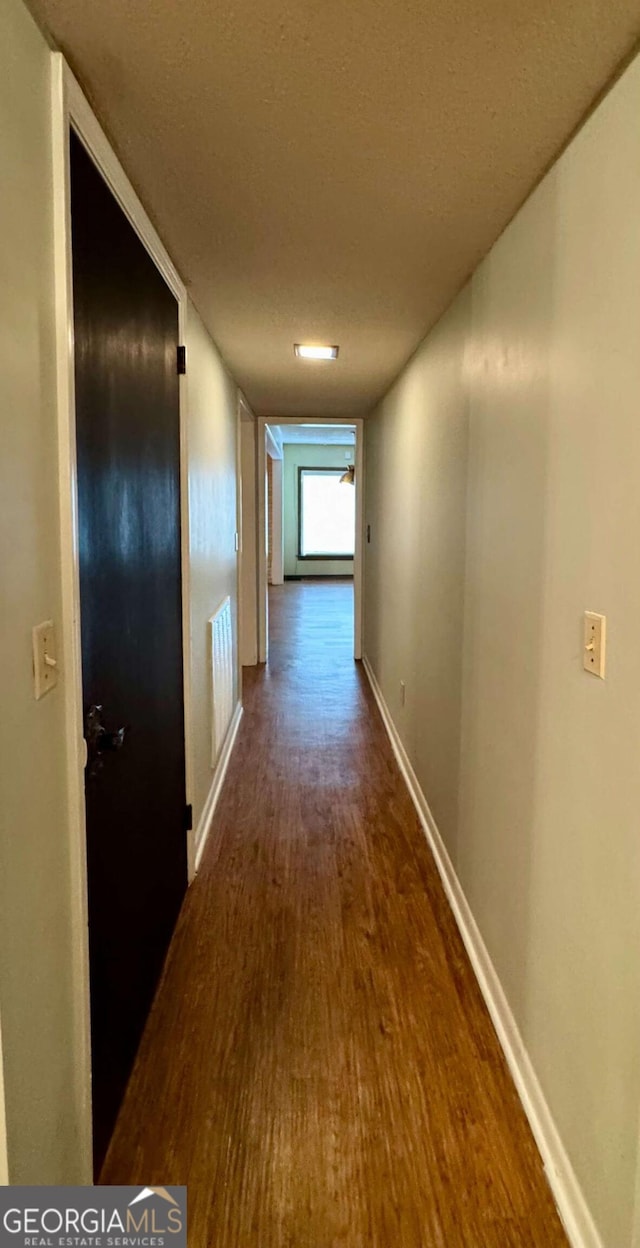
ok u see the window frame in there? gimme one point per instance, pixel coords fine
(322, 558)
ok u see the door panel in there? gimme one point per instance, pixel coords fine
(128, 442)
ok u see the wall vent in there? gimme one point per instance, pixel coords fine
(221, 676)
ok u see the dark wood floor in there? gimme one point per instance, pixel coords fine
(319, 1067)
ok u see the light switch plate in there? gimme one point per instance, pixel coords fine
(595, 632)
(45, 662)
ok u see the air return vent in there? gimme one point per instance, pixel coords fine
(221, 676)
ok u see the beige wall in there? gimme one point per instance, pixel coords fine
(35, 921)
(4, 1159)
(415, 462)
(249, 561)
(44, 1109)
(297, 455)
(212, 400)
(541, 356)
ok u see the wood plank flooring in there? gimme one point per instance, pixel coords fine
(319, 1067)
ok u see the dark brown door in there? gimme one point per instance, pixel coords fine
(126, 335)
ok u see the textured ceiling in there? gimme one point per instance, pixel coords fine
(312, 435)
(335, 171)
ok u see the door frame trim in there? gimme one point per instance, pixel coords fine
(71, 110)
(358, 559)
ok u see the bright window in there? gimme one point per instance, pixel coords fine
(326, 514)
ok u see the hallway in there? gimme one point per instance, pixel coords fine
(319, 1067)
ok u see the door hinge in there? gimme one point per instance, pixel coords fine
(188, 818)
(182, 361)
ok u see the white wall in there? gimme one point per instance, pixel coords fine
(43, 1119)
(541, 357)
(276, 519)
(212, 399)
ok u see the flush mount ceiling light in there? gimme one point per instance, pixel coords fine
(308, 351)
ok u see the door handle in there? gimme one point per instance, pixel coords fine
(110, 740)
(100, 740)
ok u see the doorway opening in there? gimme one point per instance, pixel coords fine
(310, 521)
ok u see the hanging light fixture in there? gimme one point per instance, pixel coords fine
(348, 477)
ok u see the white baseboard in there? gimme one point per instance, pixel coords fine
(572, 1206)
(204, 822)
